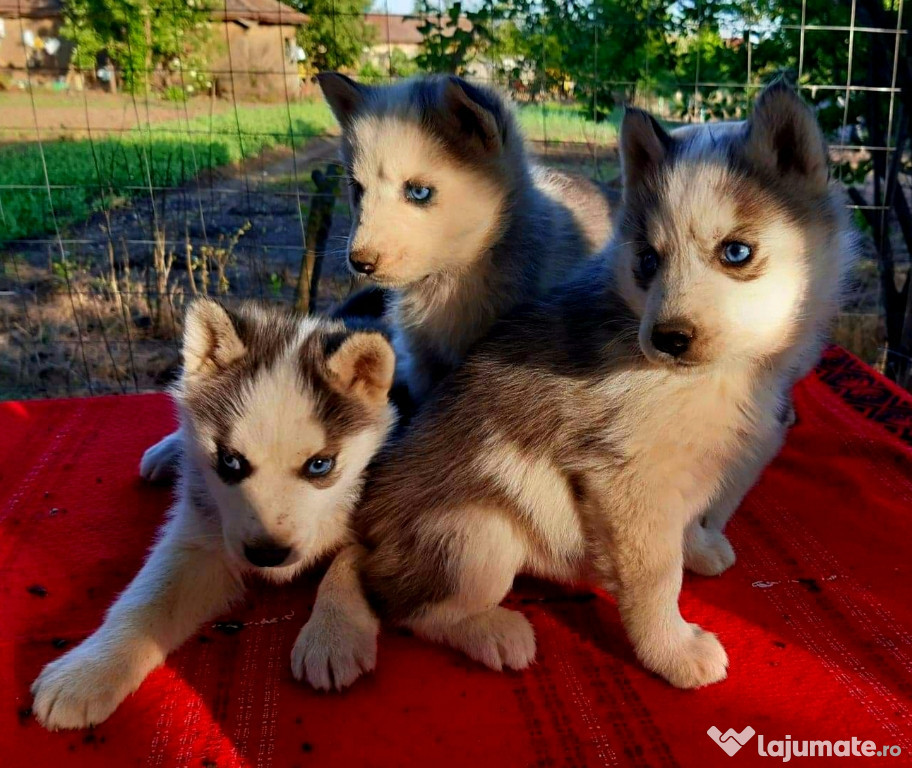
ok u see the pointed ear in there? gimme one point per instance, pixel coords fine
(211, 339)
(363, 365)
(644, 146)
(344, 96)
(472, 115)
(784, 138)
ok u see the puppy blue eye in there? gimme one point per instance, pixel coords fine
(232, 467)
(418, 194)
(649, 264)
(736, 253)
(319, 466)
(232, 462)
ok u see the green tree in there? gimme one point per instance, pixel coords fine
(453, 37)
(599, 51)
(336, 33)
(139, 36)
(77, 27)
(396, 64)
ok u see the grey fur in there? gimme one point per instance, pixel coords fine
(548, 222)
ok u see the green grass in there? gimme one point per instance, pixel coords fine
(84, 174)
(568, 122)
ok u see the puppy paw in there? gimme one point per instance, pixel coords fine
(708, 552)
(698, 660)
(497, 638)
(159, 463)
(81, 688)
(332, 651)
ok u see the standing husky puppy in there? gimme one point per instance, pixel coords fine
(279, 418)
(449, 216)
(580, 440)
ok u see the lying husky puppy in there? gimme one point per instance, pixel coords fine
(450, 216)
(279, 418)
(582, 437)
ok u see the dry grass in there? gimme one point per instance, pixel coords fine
(74, 330)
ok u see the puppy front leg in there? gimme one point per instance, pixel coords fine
(159, 463)
(649, 572)
(339, 642)
(181, 585)
(707, 550)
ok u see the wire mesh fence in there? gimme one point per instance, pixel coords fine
(135, 178)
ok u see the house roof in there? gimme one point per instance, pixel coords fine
(261, 11)
(395, 29)
(29, 9)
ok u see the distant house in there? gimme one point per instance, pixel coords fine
(392, 31)
(258, 48)
(401, 33)
(254, 43)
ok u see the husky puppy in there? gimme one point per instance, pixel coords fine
(279, 418)
(449, 213)
(449, 217)
(580, 440)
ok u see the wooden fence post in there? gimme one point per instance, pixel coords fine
(319, 223)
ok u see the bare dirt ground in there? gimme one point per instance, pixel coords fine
(76, 114)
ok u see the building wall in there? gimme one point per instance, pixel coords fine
(13, 54)
(380, 50)
(254, 61)
(259, 57)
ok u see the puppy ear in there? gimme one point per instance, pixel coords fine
(362, 364)
(344, 96)
(211, 340)
(644, 146)
(472, 114)
(783, 137)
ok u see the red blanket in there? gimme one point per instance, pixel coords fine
(816, 616)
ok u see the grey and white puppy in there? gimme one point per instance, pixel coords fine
(583, 438)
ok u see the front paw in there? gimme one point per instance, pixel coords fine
(333, 651)
(708, 552)
(698, 659)
(159, 463)
(82, 688)
(499, 638)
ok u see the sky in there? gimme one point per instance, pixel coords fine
(395, 6)
(405, 6)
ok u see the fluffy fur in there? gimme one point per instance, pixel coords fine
(571, 446)
(265, 391)
(496, 232)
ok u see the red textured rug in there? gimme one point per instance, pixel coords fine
(816, 617)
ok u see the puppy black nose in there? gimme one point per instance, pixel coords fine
(266, 554)
(364, 267)
(673, 338)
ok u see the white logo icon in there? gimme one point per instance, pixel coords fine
(731, 741)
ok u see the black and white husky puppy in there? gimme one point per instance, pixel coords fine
(280, 416)
(451, 215)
